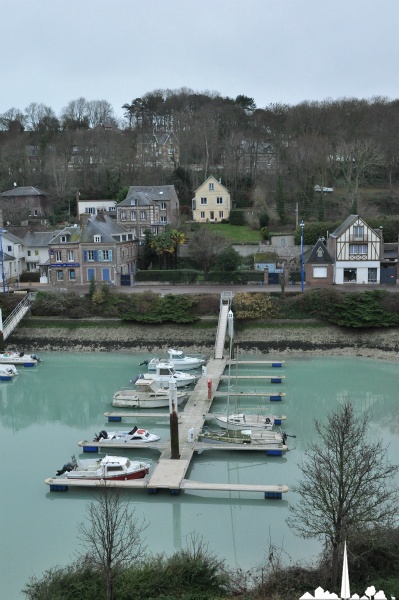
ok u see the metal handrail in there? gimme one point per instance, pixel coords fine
(17, 314)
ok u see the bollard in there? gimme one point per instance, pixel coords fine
(209, 388)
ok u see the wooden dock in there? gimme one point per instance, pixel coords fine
(168, 473)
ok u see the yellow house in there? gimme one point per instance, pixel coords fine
(211, 202)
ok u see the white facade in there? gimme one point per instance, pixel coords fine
(93, 207)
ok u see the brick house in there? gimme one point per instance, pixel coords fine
(148, 207)
(319, 264)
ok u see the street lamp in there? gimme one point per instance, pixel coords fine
(2, 260)
(302, 257)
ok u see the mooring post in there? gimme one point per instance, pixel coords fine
(174, 421)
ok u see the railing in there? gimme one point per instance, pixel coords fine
(17, 314)
(225, 305)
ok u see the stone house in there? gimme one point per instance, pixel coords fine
(148, 207)
(20, 203)
(211, 202)
(159, 149)
(98, 248)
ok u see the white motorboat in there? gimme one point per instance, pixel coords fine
(237, 422)
(245, 436)
(136, 435)
(109, 468)
(19, 358)
(179, 360)
(7, 372)
(148, 394)
(164, 373)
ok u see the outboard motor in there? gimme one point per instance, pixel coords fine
(66, 468)
(103, 435)
(35, 357)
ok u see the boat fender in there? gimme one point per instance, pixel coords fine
(21, 354)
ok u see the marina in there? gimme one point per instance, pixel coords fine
(86, 381)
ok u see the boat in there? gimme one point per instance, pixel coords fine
(108, 468)
(239, 421)
(179, 360)
(164, 373)
(147, 394)
(19, 358)
(7, 372)
(136, 435)
(244, 436)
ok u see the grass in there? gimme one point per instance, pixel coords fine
(235, 234)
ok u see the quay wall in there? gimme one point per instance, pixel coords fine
(280, 338)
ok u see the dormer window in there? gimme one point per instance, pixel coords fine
(64, 239)
(97, 239)
(133, 202)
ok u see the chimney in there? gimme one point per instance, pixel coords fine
(83, 219)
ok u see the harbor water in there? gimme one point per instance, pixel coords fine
(48, 409)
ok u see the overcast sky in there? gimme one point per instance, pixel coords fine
(54, 51)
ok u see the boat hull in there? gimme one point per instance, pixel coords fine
(93, 477)
(124, 400)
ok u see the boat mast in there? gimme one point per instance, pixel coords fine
(230, 328)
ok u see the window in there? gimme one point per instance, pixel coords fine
(63, 239)
(70, 255)
(211, 187)
(107, 254)
(357, 248)
(72, 275)
(97, 239)
(349, 275)
(58, 256)
(28, 252)
(134, 231)
(319, 272)
(171, 151)
(163, 219)
(123, 215)
(35, 212)
(9, 248)
(143, 215)
(219, 200)
(133, 202)
(163, 205)
(202, 214)
(372, 275)
(112, 208)
(90, 255)
(90, 210)
(133, 215)
(60, 275)
(204, 201)
(220, 214)
(358, 232)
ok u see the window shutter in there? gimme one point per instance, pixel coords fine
(95, 255)
(84, 255)
(110, 254)
(100, 256)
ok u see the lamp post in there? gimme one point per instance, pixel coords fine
(302, 257)
(2, 260)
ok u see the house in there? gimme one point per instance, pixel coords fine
(13, 263)
(357, 251)
(93, 207)
(211, 202)
(20, 203)
(159, 149)
(97, 249)
(319, 264)
(148, 207)
(37, 254)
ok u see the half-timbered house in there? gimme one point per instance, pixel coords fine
(357, 250)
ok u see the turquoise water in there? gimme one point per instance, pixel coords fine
(47, 410)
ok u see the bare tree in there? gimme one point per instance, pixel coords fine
(111, 534)
(346, 486)
(205, 247)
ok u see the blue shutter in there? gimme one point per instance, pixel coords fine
(110, 254)
(84, 255)
(95, 255)
(100, 256)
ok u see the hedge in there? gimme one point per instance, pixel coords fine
(172, 276)
(238, 277)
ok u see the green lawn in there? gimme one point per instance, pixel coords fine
(235, 234)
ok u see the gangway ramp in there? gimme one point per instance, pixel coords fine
(17, 315)
(225, 306)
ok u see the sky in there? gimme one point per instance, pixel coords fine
(274, 51)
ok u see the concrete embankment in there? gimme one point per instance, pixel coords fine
(277, 338)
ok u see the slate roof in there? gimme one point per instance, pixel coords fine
(12, 238)
(318, 254)
(39, 238)
(23, 191)
(344, 226)
(73, 232)
(148, 194)
(101, 225)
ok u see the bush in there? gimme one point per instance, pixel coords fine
(172, 276)
(248, 305)
(31, 276)
(237, 217)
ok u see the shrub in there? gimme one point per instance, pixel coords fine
(237, 217)
(31, 276)
(248, 305)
